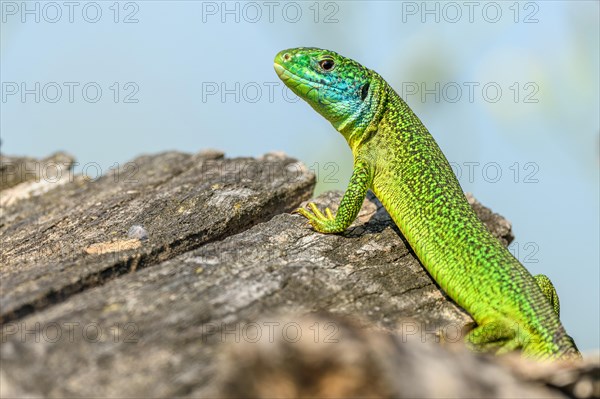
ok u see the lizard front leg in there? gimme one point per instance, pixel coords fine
(352, 201)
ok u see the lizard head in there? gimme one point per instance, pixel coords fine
(338, 88)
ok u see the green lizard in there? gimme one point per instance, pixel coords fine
(398, 159)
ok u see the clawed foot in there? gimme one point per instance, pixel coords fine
(324, 223)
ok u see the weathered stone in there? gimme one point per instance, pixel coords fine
(16, 170)
(70, 239)
(355, 362)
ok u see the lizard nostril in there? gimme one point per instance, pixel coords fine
(287, 57)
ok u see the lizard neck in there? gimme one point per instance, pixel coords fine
(358, 127)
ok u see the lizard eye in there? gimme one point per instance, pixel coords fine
(327, 64)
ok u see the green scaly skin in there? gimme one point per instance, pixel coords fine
(398, 159)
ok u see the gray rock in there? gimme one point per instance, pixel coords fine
(16, 170)
(74, 238)
(355, 362)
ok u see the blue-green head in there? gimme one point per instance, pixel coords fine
(338, 88)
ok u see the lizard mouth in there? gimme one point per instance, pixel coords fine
(299, 85)
(286, 75)
(294, 81)
(281, 71)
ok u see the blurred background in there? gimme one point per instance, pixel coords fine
(510, 90)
